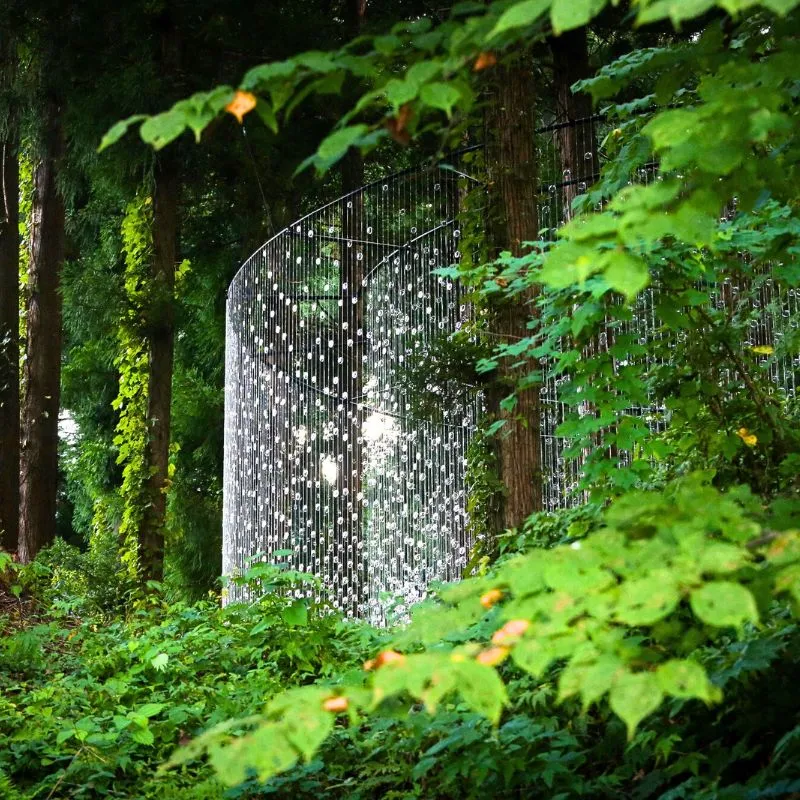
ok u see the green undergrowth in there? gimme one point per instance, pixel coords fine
(672, 696)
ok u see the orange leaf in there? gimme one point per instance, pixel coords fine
(493, 656)
(397, 125)
(389, 657)
(242, 103)
(491, 597)
(484, 61)
(335, 704)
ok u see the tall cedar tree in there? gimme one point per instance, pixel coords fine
(161, 333)
(42, 376)
(9, 301)
(512, 172)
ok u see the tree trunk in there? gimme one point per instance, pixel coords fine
(512, 173)
(9, 313)
(576, 142)
(161, 339)
(42, 377)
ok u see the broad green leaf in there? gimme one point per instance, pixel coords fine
(305, 723)
(422, 72)
(675, 10)
(266, 750)
(721, 557)
(688, 679)
(481, 688)
(568, 14)
(576, 571)
(590, 680)
(264, 110)
(150, 709)
(296, 614)
(647, 600)
(143, 736)
(626, 274)
(118, 130)
(400, 92)
(441, 96)
(164, 128)
(335, 145)
(533, 655)
(259, 77)
(519, 15)
(724, 604)
(64, 735)
(634, 696)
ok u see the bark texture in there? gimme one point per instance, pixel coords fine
(42, 373)
(161, 345)
(512, 173)
(9, 314)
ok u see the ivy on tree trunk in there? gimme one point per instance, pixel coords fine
(161, 340)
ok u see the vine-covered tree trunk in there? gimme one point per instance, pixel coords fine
(42, 375)
(161, 339)
(9, 309)
(576, 143)
(512, 173)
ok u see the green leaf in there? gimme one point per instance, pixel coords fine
(481, 688)
(400, 92)
(162, 129)
(646, 601)
(568, 14)
(296, 614)
(262, 75)
(62, 736)
(150, 709)
(264, 110)
(118, 130)
(533, 655)
(266, 750)
(721, 557)
(305, 723)
(724, 604)
(633, 697)
(686, 679)
(143, 736)
(441, 96)
(519, 15)
(336, 144)
(590, 680)
(626, 274)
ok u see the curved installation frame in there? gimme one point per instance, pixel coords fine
(326, 467)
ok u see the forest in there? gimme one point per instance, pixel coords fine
(399, 399)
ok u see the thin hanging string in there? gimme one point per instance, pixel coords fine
(249, 149)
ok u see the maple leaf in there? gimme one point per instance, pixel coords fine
(242, 103)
